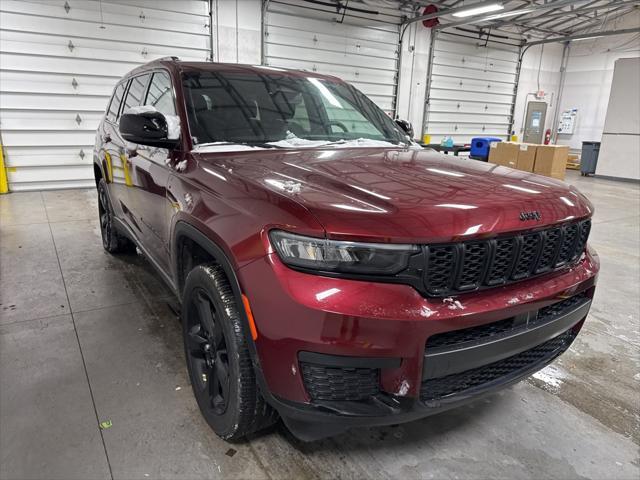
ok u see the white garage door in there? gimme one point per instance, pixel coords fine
(472, 88)
(359, 45)
(59, 61)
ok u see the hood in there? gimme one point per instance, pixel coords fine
(415, 196)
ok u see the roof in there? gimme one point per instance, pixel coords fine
(174, 63)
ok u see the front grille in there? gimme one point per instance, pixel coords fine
(339, 383)
(504, 370)
(461, 267)
(502, 327)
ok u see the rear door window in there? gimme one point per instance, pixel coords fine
(160, 94)
(136, 91)
(116, 100)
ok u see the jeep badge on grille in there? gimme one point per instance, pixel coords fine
(534, 215)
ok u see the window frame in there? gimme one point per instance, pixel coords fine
(124, 82)
(144, 90)
(172, 87)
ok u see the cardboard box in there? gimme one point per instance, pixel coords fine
(526, 157)
(551, 160)
(504, 153)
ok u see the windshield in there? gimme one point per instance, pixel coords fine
(276, 109)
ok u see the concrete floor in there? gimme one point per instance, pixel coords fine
(86, 337)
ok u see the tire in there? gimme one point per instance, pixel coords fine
(218, 358)
(112, 241)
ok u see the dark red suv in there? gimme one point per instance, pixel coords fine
(329, 269)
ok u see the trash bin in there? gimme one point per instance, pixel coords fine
(480, 147)
(589, 157)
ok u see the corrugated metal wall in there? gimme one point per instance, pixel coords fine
(59, 61)
(358, 46)
(472, 88)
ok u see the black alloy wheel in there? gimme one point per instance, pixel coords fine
(208, 355)
(218, 359)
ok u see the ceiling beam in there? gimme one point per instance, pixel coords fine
(568, 38)
(627, 9)
(599, 14)
(555, 12)
(552, 10)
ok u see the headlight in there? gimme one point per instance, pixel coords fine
(346, 257)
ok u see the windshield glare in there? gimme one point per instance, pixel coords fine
(259, 108)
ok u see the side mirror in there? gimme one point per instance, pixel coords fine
(149, 127)
(405, 126)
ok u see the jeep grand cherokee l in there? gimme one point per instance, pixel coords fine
(330, 271)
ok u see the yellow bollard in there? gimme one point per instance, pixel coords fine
(4, 182)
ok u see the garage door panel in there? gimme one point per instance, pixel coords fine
(34, 63)
(54, 121)
(464, 72)
(473, 61)
(470, 107)
(309, 19)
(360, 48)
(471, 88)
(461, 47)
(25, 42)
(337, 30)
(53, 93)
(14, 138)
(112, 15)
(20, 82)
(324, 56)
(311, 40)
(41, 101)
(479, 118)
(32, 156)
(197, 8)
(70, 28)
(472, 85)
(51, 177)
(471, 97)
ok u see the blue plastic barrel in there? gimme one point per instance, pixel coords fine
(480, 147)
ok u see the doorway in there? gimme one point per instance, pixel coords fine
(534, 122)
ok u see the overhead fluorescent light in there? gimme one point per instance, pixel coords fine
(510, 13)
(469, 12)
(587, 38)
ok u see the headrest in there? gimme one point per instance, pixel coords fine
(198, 102)
(286, 101)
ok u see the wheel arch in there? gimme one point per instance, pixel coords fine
(98, 171)
(185, 231)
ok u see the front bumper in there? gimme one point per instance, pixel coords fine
(311, 326)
